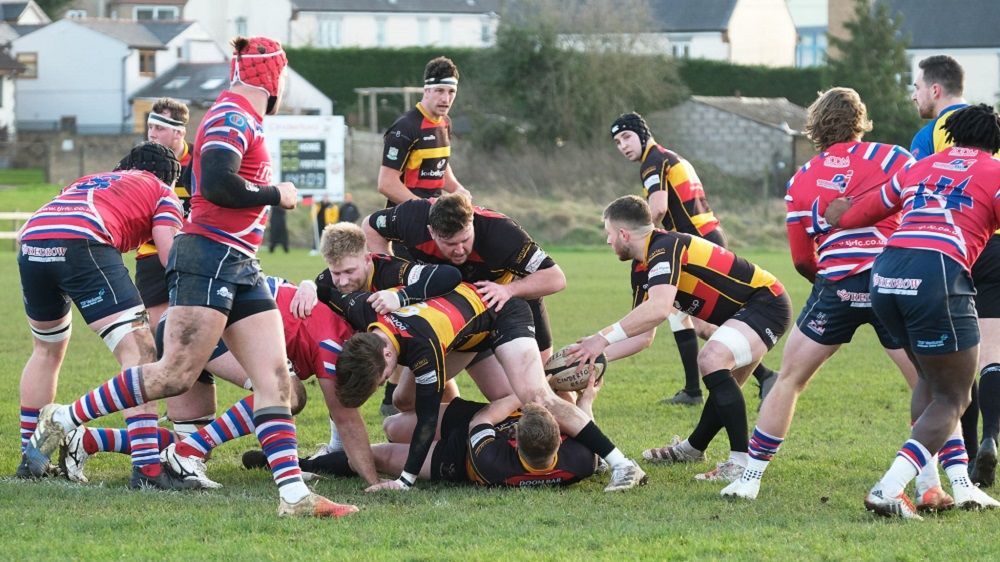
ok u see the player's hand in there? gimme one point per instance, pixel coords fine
(289, 194)
(387, 485)
(493, 294)
(836, 209)
(305, 299)
(384, 302)
(587, 350)
(462, 191)
(588, 394)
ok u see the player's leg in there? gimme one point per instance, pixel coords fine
(488, 374)
(41, 373)
(687, 347)
(984, 471)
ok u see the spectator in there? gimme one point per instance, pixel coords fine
(279, 228)
(348, 210)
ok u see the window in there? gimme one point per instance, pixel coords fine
(380, 31)
(329, 32)
(147, 63)
(811, 49)
(76, 13)
(241, 26)
(445, 31)
(423, 31)
(156, 13)
(681, 50)
(486, 32)
(30, 63)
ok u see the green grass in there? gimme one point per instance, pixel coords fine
(849, 425)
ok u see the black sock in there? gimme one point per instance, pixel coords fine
(761, 372)
(594, 439)
(970, 423)
(731, 407)
(687, 347)
(708, 425)
(989, 399)
(330, 463)
(389, 389)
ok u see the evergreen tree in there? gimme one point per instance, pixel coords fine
(873, 62)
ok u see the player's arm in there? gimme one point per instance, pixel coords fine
(391, 187)
(630, 346)
(163, 238)
(496, 411)
(168, 218)
(354, 308)
(802, 247)
(537, 274)
(451, 183)
(643, 318)
(222, 185)
(395, 152)
(353, 432)
(376, 229)
(423, 282)
(847, 213)
(658, 205)
(587, 396)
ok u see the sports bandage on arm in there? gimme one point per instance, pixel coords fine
(614, 333)
(428, 281)
(222, 185)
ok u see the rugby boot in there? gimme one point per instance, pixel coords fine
(674, 453)
(187, 468)
(984, 472)
(163, 481)
(626, 476)
(742, 488)
(387, 410)
(973, 499)
(934, 499)
(72, 456)
(899, 506)
(682, 398)
(49, 434)
(726, 471)
(314, 505)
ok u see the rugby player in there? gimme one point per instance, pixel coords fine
(454, 328)
(838, 263)
(71, 250)
(216, 287)
(672, 270)
(922, 292)
(937, 93)
(677, 200)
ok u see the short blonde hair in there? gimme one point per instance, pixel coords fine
(538, 436)
(837, 115)
(341, 240)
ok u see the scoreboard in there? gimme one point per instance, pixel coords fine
(308, 150)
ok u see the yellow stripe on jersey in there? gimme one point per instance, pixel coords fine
(699, 220)
(419, 155)
(470, 294)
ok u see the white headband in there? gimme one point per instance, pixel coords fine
(165, 122)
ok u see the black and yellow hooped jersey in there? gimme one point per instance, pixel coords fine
(388, 272)
(687, 207)
(712, 282)
(419, 146)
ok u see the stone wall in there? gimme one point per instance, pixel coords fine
(65, 156)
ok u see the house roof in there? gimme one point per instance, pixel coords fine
(973, 25)
(10, 11)
(136, 34)
(774, 112)
(691, 15)
(432, 6)
(8, 65)
(190, 82)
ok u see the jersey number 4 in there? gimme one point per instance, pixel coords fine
(948, 196)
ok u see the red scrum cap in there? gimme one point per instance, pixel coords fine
(257, 62)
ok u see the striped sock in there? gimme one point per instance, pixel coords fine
(955, 460)
(909, 460)
(235, 422)
(275, 430)
(29, 421)
(763, 447)
(120, 393)
(144, 443)
(115, 440)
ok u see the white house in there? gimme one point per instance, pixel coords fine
(93, 85)
(8, 70)
(970, 34)
(22, 13)
(352, 23)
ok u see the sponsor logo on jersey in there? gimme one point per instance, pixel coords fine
(896, 285)
(57, 251)
(429, 137)
(536, 261)
(427, 378)
(393, 152)
(963, 151)
(932, 344)
(441, 163)
(837, 162)
(838, 182)
(432, 173)
(771, 336)
(857, 299)
(99, 298)
(380, 221)
(662, 268)
(956, 165)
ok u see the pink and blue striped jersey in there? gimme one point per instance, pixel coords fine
(313, 343)
(231, 124)
(119, 209)
(848, 169)
(950, 202)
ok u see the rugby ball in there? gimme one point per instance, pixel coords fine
(562, 376)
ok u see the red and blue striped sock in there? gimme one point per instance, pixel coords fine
(955, 459)
(910, 459)
(275, 430)
(29, 421)
(763, 447)
(144, 443)
(235, 422)
(115, 440)
(122, 392)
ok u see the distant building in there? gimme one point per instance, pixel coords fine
(139, 10)
(22, 13)
(811, 17)
(746, 137)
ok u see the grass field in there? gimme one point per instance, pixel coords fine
(850, 423)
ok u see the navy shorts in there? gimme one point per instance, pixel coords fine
(452, 450)
(151, 280)
(90, 274)
(925, 300)
(836, 309)
(202, 272)
(986, 276)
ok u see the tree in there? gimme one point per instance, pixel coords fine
(873, 62)
(55, 8)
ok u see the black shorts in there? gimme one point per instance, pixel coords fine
(514, 321)
(540, 317)
(450, 453)
(836, 309)
(986, 276)
(925, 300)
(151, 280)
(202, 272)
(90, 274)
(767, 314)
